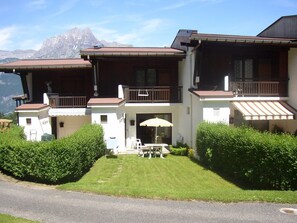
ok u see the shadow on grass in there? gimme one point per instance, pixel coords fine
(111, 156)
(239, 183)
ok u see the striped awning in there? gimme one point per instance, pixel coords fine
(264, 110)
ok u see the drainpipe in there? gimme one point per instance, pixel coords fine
(191, 117)
(95, 79)
(195, 77)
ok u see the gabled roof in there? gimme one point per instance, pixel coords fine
(284, 27)
(242, 39)
(182, 36)
(45, 64)
(132, 52)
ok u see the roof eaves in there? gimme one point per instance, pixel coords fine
(242, 39)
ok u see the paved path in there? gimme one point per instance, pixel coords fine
(51, 205)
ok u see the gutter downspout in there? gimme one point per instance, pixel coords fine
(195, 78)
(95, 78)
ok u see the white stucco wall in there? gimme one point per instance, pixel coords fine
(292, 67)
(216, 111)
(115, 126)
(208, 111)
(197, 118)
(71, 124)
(186, 111)
(40, 124)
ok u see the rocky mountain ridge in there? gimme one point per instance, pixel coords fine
(66, 45)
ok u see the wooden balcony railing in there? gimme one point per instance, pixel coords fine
(255, 88)
(67, 101)
(156, 94)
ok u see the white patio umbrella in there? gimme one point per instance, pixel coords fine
(156, 122)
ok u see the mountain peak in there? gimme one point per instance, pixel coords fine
(68, 44)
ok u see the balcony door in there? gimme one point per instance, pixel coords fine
(147, 134)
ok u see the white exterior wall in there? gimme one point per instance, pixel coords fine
(208, 111)
(115, 126)
(290, 125)
(70, 124)
(216, 111)
(40, 124)
(292, 67)
(196, 116)
(186, 117)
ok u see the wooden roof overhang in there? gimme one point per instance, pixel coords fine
(44, 64)
(105, 102)
(32, 107)
(198, 38)
(131, 52)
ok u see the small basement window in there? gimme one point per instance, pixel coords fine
(103, 119)
(28, 121)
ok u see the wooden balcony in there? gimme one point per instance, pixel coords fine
(56, 101)
(156, 94)
(255, 88)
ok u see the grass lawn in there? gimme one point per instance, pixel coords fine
(175, 177)
(4, 218)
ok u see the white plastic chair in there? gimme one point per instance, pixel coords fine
(140, 148)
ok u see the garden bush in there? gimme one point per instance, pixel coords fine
(179, 149)
(57, 161)
(264, 160)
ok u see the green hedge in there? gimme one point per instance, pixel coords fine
(55, 161)
(264, 160)
(178, 151)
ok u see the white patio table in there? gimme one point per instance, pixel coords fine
(156, 147)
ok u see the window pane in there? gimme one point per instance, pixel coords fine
(103, 119)
(238, 69)
(151, 77)
(248, 69)
(140, 77)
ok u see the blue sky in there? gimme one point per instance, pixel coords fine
(25, 24)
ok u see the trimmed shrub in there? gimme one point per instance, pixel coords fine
(264, 160)
(57, 161)
(179, 149)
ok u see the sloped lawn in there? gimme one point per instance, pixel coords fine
(175, 177)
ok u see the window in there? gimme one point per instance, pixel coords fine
(28, 121)
(146, 77)
(244, 69)
(103, 119)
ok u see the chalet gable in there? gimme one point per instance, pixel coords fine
(284, 27)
